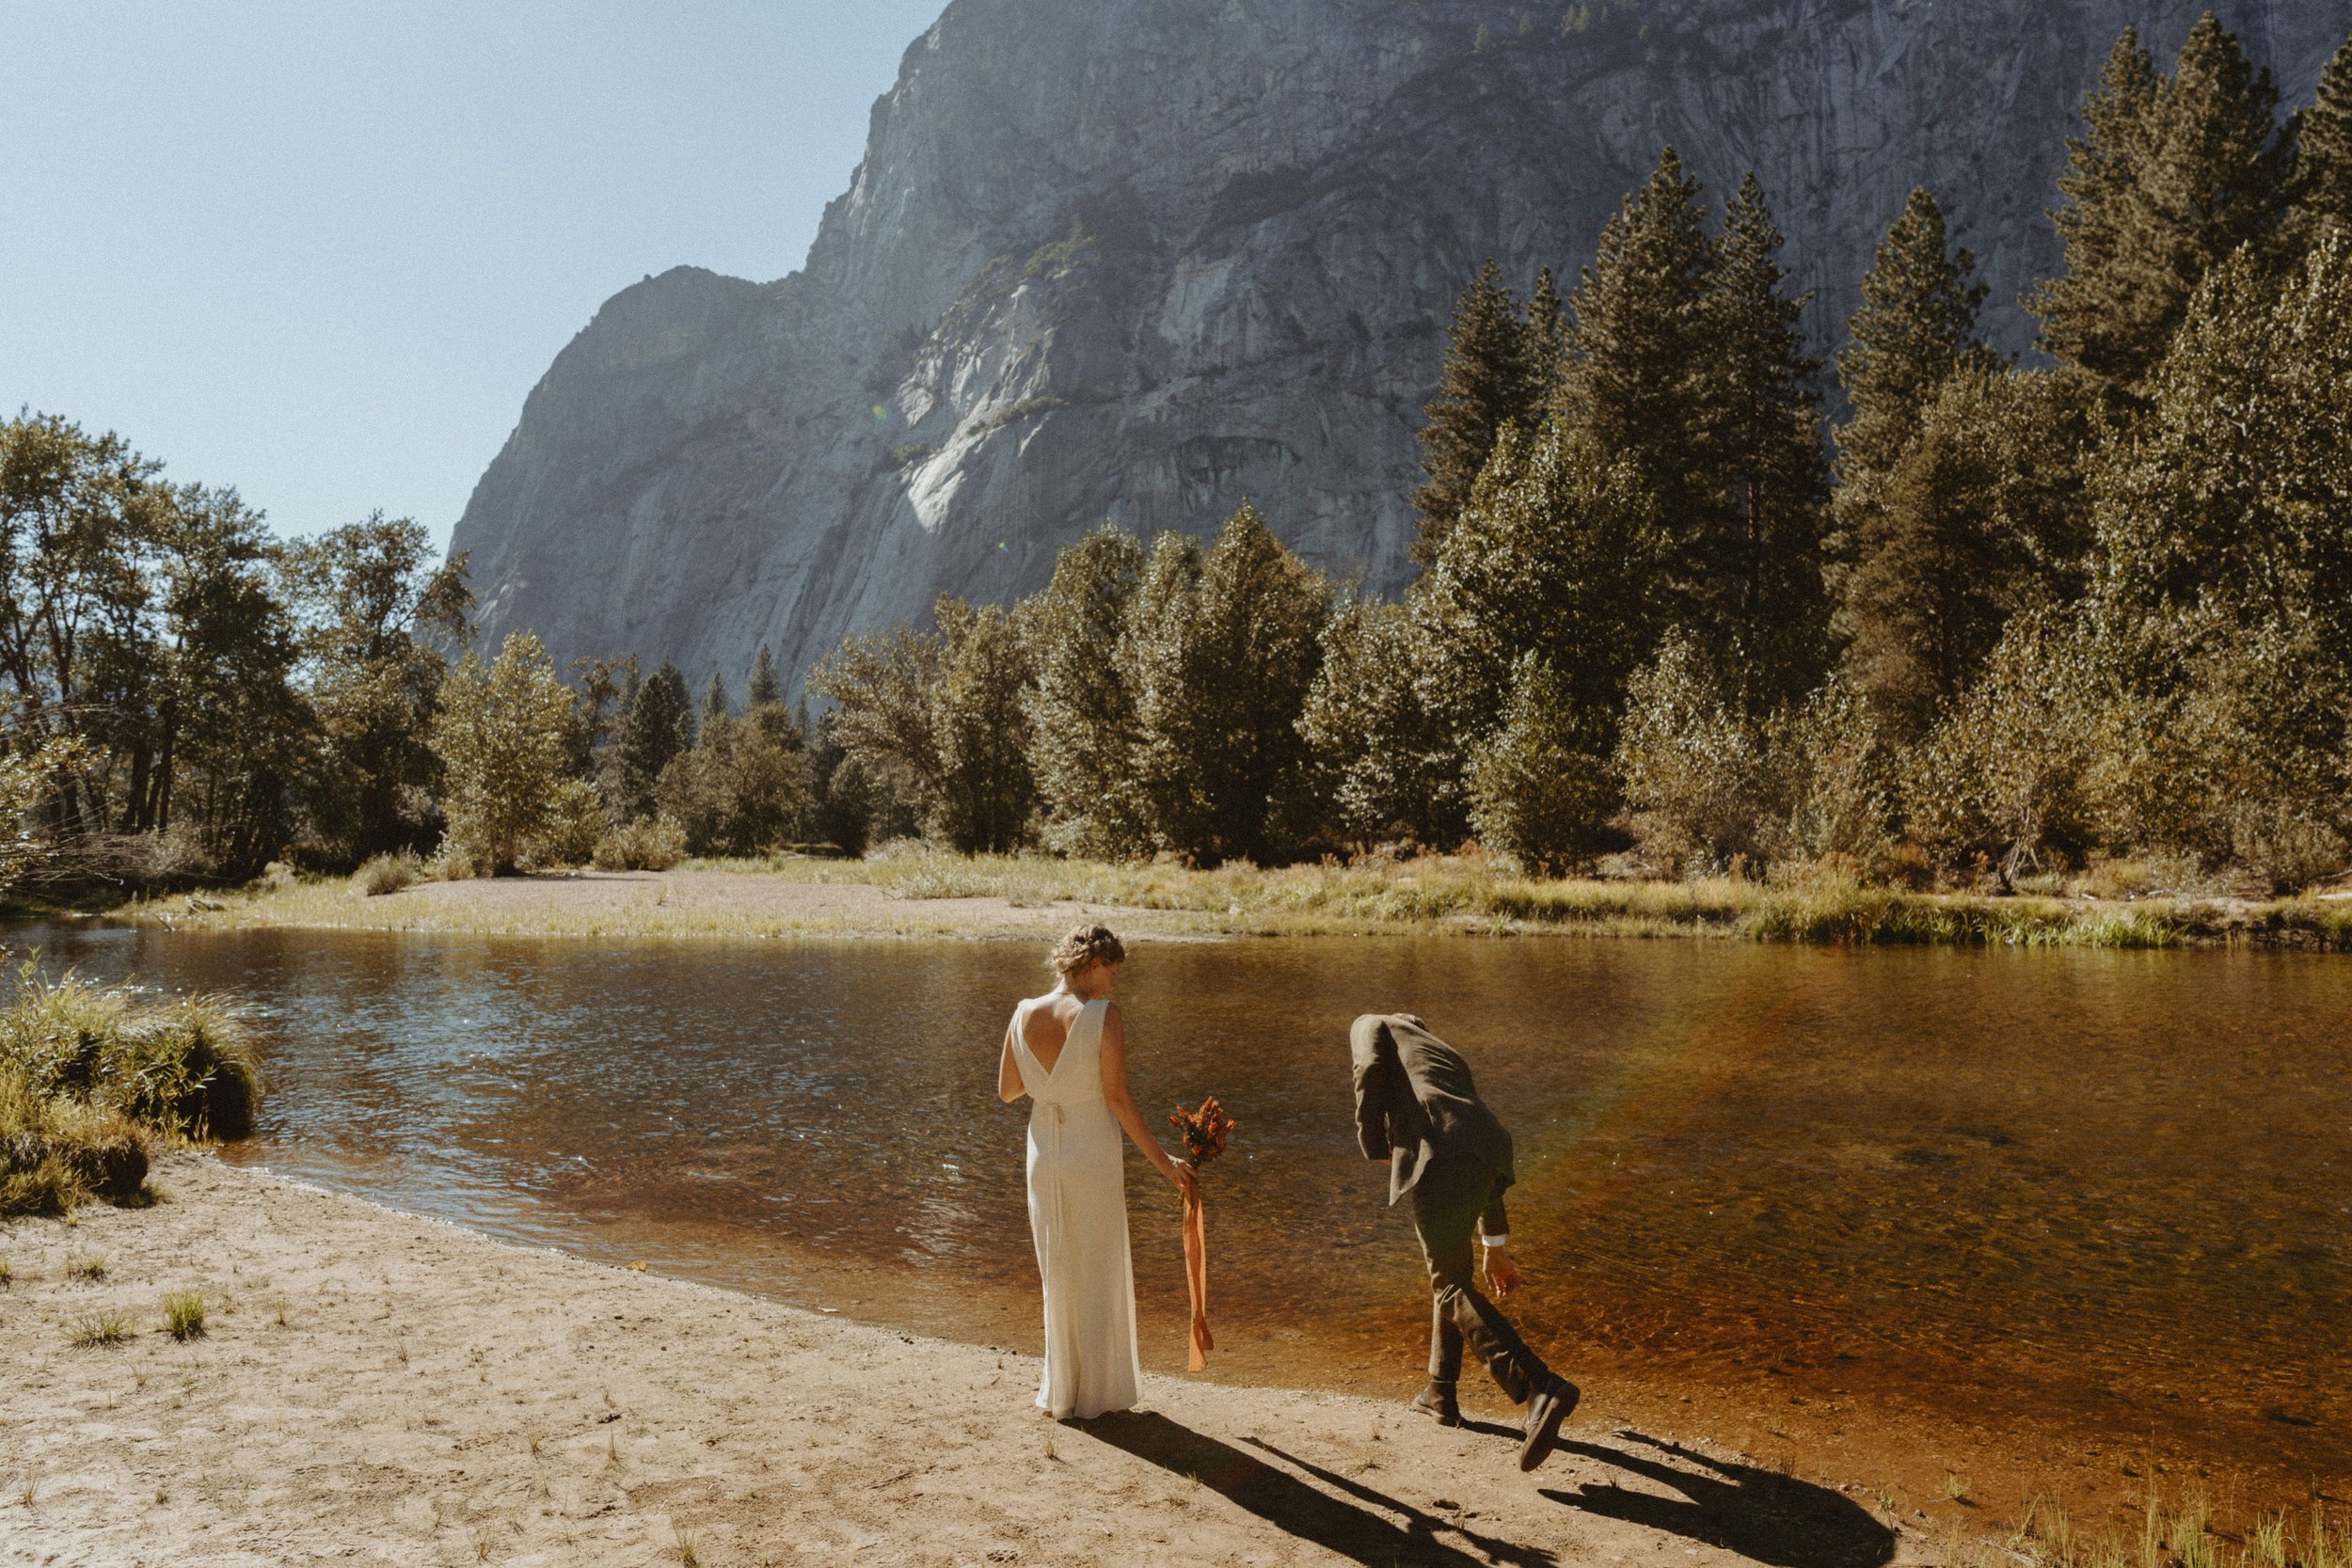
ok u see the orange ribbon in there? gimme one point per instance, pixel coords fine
(1196, 1279)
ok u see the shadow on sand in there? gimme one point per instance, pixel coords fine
(1761, 1515)
(1283, 1499)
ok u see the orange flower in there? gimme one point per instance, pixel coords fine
(1204, 1130)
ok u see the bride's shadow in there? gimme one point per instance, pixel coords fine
(1286, 1501)
(1761, 1515)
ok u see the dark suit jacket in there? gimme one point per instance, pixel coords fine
(1416, 1105)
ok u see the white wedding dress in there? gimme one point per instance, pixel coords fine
(1078, 1215)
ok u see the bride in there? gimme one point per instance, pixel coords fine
(1067, 1049)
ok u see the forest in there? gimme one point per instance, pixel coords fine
(1689, 600)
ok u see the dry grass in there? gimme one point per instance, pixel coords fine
(95, 1330)
(911, 890)
(90, 1074)
(183, 1315)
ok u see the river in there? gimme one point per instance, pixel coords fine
(2044, 1215)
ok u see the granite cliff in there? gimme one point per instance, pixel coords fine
(1142, 259)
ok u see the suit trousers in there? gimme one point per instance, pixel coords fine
(1446, 1202)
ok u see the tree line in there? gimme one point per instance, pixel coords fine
(1998, 617)
(188, 698)
(1990, 618)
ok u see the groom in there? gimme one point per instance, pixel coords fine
(1416, 1112)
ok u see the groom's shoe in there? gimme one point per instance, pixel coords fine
(1437, 1401)
(1547, 1407)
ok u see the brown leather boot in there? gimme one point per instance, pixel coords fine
(1546, 1409)
(1437, 1401)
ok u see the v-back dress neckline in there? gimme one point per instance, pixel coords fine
(1053, 1066)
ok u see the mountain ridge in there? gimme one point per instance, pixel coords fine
(1144, 259)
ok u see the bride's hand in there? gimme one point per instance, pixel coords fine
(1187, 1180)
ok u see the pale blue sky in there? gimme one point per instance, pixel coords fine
(321, 249)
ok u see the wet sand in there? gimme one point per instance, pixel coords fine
(376, 1387)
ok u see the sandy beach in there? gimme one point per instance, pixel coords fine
(373, 1388)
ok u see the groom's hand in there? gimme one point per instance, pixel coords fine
(1502, 1276)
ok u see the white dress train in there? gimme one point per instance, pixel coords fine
(1078, 1215)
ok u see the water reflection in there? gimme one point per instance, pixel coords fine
(2103, 1190)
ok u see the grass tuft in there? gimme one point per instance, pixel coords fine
(183, 1315)
(91, 1074)
(92, 1330)
(688, 1556)
(90, 1266)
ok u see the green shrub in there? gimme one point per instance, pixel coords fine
(576, 824)
(1692, 766)
(387, 874)
(90, 1074)
(648, 844)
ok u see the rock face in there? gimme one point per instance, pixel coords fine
(1143, 259)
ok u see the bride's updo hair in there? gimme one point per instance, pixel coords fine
(1086, 945)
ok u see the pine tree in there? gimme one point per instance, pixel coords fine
(1637, 345)
(1080, 710)
(715, 703)
(1914, 330)
(1560, 553)
(1537, 792)
(657, 726)
(2323, 155)
(1982, 519)
(2171, 176)
(764, 709)
(1484, 387)
(763, 689)
(1223, 663)
(1756, 567)
(1917, 327)
(1544, 347)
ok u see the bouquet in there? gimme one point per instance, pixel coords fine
(1205, 1133)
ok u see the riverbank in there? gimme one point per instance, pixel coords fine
(372, 1384)
(926, 894)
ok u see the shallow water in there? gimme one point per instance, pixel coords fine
(2102, 1196)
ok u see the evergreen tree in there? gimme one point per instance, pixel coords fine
(1538, 793)
(1486, 385)
(1757, 566)
(1223, 652)
(1916, 328)
(763, 689)
(1560, 554)
(933, 721)
(715, 703)
(1915, 331)
(1544, 351)
(1382, 767)
(1080, 709)
(764, 709)
(1980, 519)
(2172, 175)
(2323, 154)
(657, 726)
(1633, 381)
